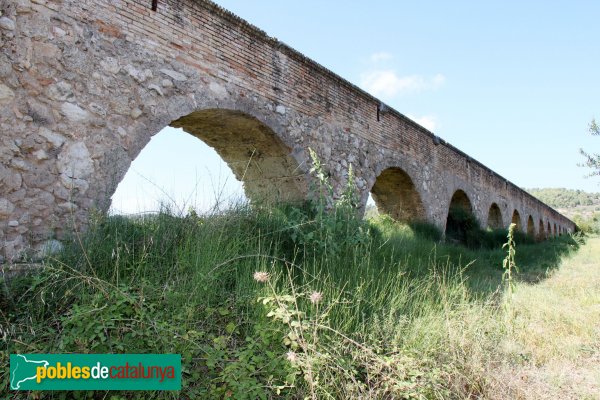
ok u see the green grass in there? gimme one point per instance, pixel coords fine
(401, 314)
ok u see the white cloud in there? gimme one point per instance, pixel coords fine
(428, 121)
(387, 83)
(381, 56)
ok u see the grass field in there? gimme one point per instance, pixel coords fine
(292, 303)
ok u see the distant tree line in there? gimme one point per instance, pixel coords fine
(565, 198)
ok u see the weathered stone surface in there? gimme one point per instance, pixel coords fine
(12, 248)
(10, 180)
(53, 138)
(68, 206)
(82, 91)
(6, 208)
(97, 109)
(40, 113)
(74, 113)
(139, 75)
(61, 91)
(110, 65)
(7, 24)
(40, 155)
(174, 74)
(219, 90)
(6, 94)
(75, 161)
(156, 88)
(23, 6)
(5, 66)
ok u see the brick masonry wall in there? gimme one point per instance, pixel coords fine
(85, 85)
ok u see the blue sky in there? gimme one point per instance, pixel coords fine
(514, 84)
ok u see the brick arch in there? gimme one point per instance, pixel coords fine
(548, 229)
(494, 219)
(395, 194)
(516, 219)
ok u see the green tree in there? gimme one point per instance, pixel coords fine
(592, 160)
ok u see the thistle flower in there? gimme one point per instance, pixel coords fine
(292, 356)
(261, 276)
(315, 297)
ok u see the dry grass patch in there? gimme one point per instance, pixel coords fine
(554, 348)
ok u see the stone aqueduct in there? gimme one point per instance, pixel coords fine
(84, 84)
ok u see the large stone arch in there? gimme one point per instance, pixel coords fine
(85, 133)
(250, 139)
(395, 194)
(257, 157)
(494, 219)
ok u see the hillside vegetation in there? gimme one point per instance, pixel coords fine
(582, 207)
(566, 198)
(295, 302)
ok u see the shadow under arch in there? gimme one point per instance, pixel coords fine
(541, 231)
(461, 200)
(495, 217)
(516, 219)
(530, 226)
(395, 194)
(256, 155)
(460, 219)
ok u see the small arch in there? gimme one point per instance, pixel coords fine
(555, 231)
(460, 216)
(541, 231)
(516, 219)
(549, 229)
(530, 226)
(395, 194)
(461, 200)
(495, 217)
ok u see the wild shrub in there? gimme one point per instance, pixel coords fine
(464, 228)
(426, 231)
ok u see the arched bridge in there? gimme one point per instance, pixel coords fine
(84, 84)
